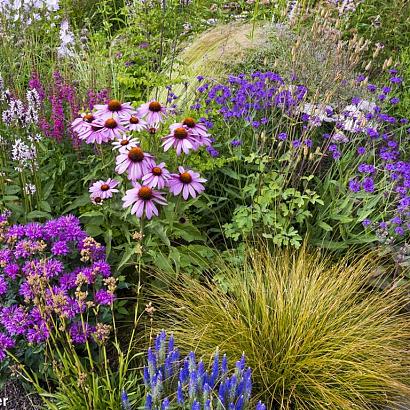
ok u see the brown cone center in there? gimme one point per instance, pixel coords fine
(88, 118)
(157, 171)
(185, 178)
(114, 105)
(110, 123)
(134, 120)
(154, 106)
(180, 133)
(105, 187)
(145, 193)
(189, 122)
(136, 154)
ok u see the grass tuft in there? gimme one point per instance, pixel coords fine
(315, 335)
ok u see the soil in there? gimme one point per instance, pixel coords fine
(18, 398)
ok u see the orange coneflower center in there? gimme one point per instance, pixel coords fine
(110, 123)
(88, 118)
(180, 133)
(185, 178)
(136, 154)
(157, 171)
(114, 105)
(145, 193)
(124, 142)
(154, 106)
(105, 187)
(134, 120)
(189, 122)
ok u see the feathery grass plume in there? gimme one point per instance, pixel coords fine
(208, 54)
(313, 332)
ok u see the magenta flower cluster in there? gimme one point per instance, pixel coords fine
(53, 277)
(65, 104)
(115, 122)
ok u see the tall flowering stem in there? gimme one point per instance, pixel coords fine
(181, 382)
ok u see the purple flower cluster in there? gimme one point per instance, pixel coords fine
(364, 129)
(51, 275)
(392, 174)
(252, 98)
(172, 381)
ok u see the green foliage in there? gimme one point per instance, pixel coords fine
(83, 380)
(315, 336)
(274, 210)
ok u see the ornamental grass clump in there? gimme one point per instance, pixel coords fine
(55, 285)
(173, 382)
(314, 334)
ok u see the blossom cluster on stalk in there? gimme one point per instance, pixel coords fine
(118, 123)
(53, 278)
(363, 129)
(28, 10)
(47, 108)
(175, 382)
(17, 112)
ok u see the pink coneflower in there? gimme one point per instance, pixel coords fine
(181, 139)
(153, 112)
(143, 200)
(114, 109)
(104, 189)
(125, 142)
(135, 161)
(92, 134)
(157, 176)
(96, 200)
(108, 128)
(133, 123)
(188, 182)
(196, 128)
(81, 124)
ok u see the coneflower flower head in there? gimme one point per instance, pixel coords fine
(153, 112)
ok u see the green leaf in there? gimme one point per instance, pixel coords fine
(122, 310)
(93, 230)
(11, 189)
(10, 198)
(91, 214)
(80, 201)
(188, 232)
(45, 206)
(159, 230)
(38, 214)
(325, 226)
(108, 240)
(127, 255)
(231, 173)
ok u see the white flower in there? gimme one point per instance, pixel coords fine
(25, 155)
(29, 189)
(67, 40)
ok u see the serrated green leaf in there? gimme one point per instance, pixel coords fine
(38, 214)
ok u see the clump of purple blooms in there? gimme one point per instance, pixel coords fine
(53, 278)
(364, 134)
(173, 382)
